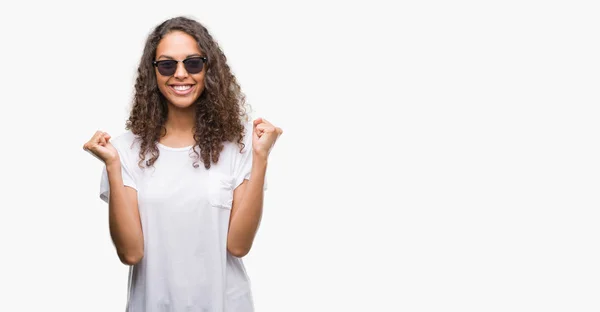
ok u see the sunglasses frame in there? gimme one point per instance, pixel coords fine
(203, 58)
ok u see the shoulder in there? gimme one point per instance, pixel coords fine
(232, 149)
(246, 136)
(127, 144)
(247, 130)
(124, 140)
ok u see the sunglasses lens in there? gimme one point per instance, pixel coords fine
(167, 68)
(193, 65)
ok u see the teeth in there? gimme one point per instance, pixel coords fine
(182, 88)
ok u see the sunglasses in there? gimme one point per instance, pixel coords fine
(193, 65)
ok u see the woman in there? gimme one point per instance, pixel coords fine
(185, 182)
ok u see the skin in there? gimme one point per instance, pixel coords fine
(180, 122)
(124, 220)
(123, 214)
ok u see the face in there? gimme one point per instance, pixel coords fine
(181, 88)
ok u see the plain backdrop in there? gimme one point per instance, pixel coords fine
(436, 155)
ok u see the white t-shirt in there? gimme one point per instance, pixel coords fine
(185, 213)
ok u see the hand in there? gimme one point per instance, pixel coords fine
(99, 146)
(264, 135)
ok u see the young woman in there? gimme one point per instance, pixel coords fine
(184, 184)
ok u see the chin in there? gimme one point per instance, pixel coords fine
(181, 103)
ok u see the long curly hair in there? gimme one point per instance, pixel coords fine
(220, 110)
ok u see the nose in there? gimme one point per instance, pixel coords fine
(180, 73)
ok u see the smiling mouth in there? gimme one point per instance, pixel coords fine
(181, 89)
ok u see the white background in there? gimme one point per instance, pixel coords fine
(437, 155)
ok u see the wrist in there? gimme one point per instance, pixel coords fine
(259, 168)
(113, 166)
(259, 159)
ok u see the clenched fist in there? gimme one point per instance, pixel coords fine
(100, 147)
(264, 137)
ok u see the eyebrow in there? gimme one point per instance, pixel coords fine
(171, 58)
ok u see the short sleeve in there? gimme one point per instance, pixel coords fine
(104, 184)
(243, 160)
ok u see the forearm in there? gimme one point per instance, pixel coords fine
(124, 220)
(244, 223)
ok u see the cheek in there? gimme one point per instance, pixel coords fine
(162, 83)
(163, 89)
(160, 79)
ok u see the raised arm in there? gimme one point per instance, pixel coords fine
(124, 219)
(248, 196)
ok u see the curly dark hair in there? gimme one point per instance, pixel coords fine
(220, 109)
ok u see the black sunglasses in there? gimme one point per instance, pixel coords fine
(193, 65)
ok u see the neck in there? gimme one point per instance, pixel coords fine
(180, 120)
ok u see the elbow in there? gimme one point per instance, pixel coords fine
(238, 252)
(131, 258)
